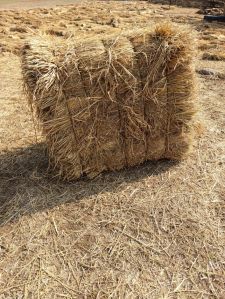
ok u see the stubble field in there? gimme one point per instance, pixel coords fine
(152, 231)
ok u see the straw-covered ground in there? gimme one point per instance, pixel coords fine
(155, 231)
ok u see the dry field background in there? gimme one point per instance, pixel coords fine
(155, 231)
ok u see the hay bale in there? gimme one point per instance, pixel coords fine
(113, 101)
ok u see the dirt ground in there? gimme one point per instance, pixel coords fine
(28, 4)
(155, 231)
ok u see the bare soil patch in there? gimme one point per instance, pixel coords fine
(28, 4)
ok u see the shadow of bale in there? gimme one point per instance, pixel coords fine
(27, 186)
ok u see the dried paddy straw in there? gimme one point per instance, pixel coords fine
(109, 102)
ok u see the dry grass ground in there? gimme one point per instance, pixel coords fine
(155, 231)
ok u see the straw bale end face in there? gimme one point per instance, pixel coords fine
(115, 101)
